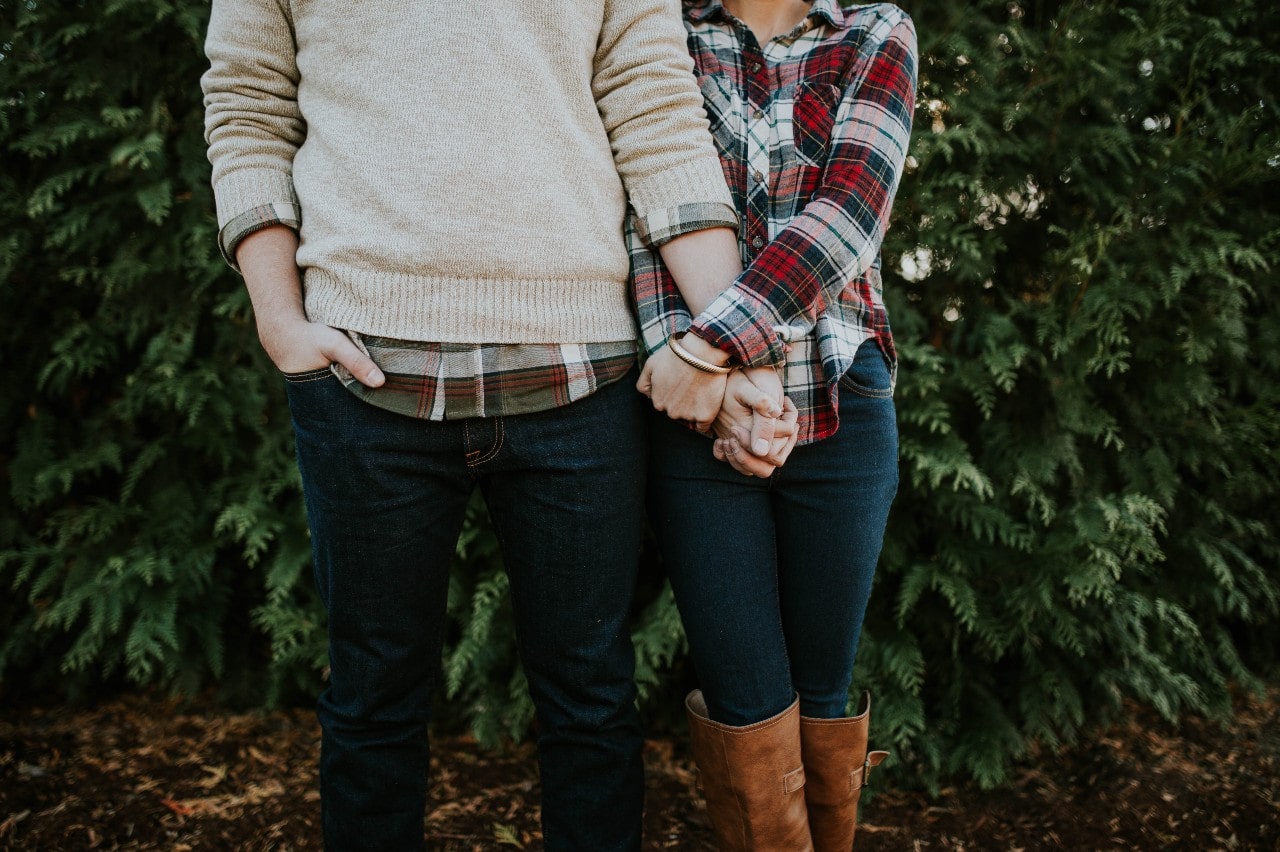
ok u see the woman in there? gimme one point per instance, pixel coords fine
(772, 563)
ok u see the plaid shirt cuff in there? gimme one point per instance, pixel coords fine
(663, 226)
(255, 219)
(654, 334)
(742, 324)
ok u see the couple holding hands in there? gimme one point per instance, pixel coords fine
(451, 221)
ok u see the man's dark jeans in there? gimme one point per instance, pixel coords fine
(772, 576)
(385, 500)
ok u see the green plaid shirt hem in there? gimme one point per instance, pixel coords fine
(453, 381)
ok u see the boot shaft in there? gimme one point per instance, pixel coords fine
(753, 780)
(837, 767)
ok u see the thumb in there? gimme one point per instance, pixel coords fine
(360, 365)
(762, 434)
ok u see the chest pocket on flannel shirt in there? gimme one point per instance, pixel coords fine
(805, 114)
(813, 114)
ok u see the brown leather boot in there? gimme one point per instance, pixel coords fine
(752, 779)
(837, 767)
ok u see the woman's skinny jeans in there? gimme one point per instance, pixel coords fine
(772, 576)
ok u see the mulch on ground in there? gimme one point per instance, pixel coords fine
(143, 773)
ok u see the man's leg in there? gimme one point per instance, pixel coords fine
(565, 489)
(385, 499)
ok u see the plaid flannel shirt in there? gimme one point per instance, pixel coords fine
(812, 130)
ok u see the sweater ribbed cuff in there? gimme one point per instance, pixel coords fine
(246, 190)
(697, 188)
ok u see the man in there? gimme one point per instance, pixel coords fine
(426, 202)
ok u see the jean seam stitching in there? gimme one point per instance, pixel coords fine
(316, 375)
(872, 394)
(486, 455)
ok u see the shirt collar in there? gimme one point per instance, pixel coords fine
(700, 10)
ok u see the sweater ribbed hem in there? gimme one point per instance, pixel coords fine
(442, 309)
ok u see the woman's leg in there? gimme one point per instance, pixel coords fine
(715, 530)
(831, 503)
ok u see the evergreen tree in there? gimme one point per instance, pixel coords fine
(1086, 310)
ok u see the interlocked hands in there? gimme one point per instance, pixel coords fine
(754, 423)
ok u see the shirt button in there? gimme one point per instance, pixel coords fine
(757, 115)
(757, 242)
(755, 67)
(759, 177)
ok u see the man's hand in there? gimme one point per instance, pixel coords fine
(296, 345)
(756, 425)
(292, 342)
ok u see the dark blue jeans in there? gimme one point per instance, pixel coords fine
(385, 499)
(772, 576)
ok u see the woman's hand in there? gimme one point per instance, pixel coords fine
(756, 427)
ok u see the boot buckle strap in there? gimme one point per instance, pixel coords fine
(793, 780)
(862, 775)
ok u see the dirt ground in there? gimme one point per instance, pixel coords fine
(144, 773)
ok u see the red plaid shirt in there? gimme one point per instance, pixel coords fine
(812, 130)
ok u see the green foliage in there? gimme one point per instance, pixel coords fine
(1085, 303)
(148, 485)
(1081, 278)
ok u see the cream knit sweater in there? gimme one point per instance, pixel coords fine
(459, 169)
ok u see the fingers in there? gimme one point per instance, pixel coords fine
(786, 433)
(645, 383)
(764, 410)
(338, 347)
(768, 381)
(749, 396)
(732, 451)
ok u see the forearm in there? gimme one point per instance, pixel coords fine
(268, 260)
(702, 264)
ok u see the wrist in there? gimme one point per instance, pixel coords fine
(699, 348)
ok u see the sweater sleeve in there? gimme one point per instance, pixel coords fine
(652, 109)
(252, 122)
(836, 237)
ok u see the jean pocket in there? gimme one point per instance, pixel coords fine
(871, 373)
(315, 375)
